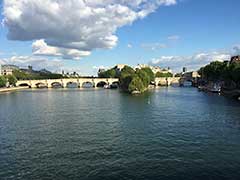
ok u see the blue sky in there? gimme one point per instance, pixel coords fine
(186, 33)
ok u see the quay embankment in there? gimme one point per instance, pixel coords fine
(11, 89)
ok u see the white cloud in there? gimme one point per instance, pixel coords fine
(100, 67)
(129, 46)
(39, 47)
(82, 25)
(174, 37)
(193, 62)
(37, 62)
(153, 46)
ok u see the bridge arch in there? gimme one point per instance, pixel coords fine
(72, 84)
(101, 84)
(41, 85)
(24, 85)
(56, 85)
(87, 84)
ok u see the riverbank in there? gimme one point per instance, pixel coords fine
(2, 90)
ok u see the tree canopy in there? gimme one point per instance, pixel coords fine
(12, 80)
(160, 74)
(111, 73)
(3, 81)
(221, 71)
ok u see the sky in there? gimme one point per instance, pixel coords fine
(85, 35)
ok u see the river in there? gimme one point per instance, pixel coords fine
(167, 133)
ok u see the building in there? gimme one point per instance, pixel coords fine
(155, 69)
(119, 67)
(8, 69)
(235, 59)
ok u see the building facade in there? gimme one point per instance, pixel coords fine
(8, 69)
(155, 69)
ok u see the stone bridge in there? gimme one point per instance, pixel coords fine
(95, 82)
(79, 82)
(167, 81)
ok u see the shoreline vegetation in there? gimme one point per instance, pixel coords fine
(221, 77)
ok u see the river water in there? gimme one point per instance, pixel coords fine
(168, 133)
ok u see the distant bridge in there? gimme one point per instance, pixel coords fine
(95, 82)
(167, 81)
(78, 82)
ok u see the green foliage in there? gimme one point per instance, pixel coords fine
(131, 80)
(149, 73)
(143, 75)
(221, 71)
(12, 80)
(3, 81)
(136, 85)
(21, 75)
(111, 73)
(126, 77)
(213, 71)
(160, 74)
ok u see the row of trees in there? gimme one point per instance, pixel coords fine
(21, 75)
(111, 73)
(160, 74)
(222, 71)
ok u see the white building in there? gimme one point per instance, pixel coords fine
(8, 69)
(155, 69)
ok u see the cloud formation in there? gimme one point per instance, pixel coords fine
(37, 62)
(173, 37)
(73, 28)
(192, 62)
(41, 48)
(153, 46)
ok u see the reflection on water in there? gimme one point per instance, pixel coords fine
(167, 133)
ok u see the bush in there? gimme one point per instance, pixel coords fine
(3, 81)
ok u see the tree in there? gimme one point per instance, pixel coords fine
(139, 80)
(149, 73)
(160, 74)
(3, 81)
(213, 71)
(20, 75)
(126, 77)
(12, 80)
(144, 77)
(136, 85)
(111, 73)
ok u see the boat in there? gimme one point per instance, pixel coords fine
(215, 89)
(106, 86)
